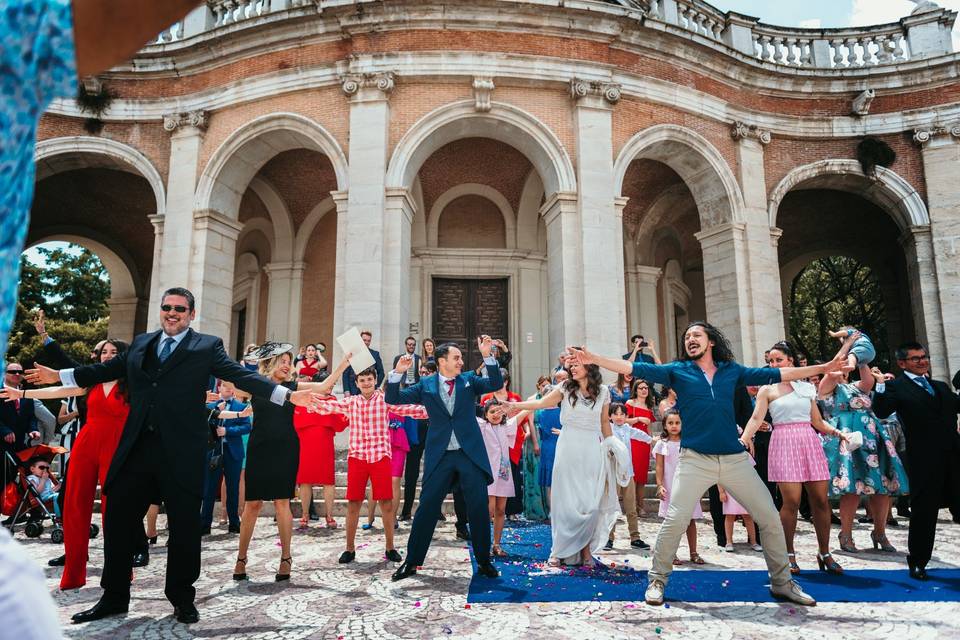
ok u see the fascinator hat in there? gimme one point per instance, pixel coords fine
(268, 350)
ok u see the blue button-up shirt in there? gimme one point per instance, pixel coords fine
(709, 424)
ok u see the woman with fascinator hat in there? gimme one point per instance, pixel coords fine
(273, 455)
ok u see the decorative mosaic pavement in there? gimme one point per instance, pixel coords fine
(325, 600)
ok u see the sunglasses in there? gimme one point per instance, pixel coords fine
(916, 359)
(43, 468)
(179, 308)
(14, 372)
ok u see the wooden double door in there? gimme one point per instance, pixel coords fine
(464, 309)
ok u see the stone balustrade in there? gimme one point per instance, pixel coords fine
(924, 34)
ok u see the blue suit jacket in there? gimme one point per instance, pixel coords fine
(236, 428)
(463, 422)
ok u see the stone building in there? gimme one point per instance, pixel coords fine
(552, 171)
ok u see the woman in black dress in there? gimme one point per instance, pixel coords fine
(273, 455)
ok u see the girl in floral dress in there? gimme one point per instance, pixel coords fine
(874, 469)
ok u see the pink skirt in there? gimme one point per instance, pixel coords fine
(796, 454)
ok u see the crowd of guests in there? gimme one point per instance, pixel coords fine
(816, 442)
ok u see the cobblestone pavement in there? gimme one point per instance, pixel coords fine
(330, 601)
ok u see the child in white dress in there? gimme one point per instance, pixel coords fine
(667, 451)
(498, 436)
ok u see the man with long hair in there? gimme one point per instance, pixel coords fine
(705, 379)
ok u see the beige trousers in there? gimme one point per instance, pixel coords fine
(628, 503)
(696, 472)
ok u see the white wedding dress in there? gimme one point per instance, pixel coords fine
(582, 511)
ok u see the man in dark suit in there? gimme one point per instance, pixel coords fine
(163, 446)
(454, 449)
(412, 376)
(927, 410)
(350, 376)
(18, 422)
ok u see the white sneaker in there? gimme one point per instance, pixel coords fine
(728, 548)
(791, 591)
(654, 594)
(756, 547)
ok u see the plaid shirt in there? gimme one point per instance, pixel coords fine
(369, 424)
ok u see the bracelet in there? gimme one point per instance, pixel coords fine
(23, 394)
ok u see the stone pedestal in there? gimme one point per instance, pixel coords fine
(285, 294)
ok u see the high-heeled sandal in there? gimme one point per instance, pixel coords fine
(554, 562)
(241, 576)
(498, 551)
(304, 522)
(331, 523)
(696, 559)
(826, 563)
(280, 577)
(846, 542)
(152, 540)
(794, 567)
(880, 542)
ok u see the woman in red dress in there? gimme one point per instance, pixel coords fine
(312, 363)
(317, 459)
(640, 415)
(107, 409)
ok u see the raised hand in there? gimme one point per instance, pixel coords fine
(247, 412)
(212, 396)
(42, 375)
(403, 364)
(304, 398)
(485, 345)
(10, 393)
(838, 364)
(580, 355)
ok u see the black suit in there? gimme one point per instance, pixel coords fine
(933, 454)
(414, 368)
(162, 452)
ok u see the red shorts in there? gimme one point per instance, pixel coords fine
(378, 473)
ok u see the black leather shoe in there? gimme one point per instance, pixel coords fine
(233, 528)
(347, 557)
(405, 571)
(59, 561)
(463, 534)
(186, 614)
(487, 570)
(394, 556)
(834, 518)
(141, 559)
(639, 544)
(608, 546)
(102, 609)
(917, 573)
(442, 518)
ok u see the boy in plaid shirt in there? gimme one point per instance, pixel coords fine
(368, 457)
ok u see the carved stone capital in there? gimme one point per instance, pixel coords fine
(482, 89)
(923, 136)
(197, 119)
(352, 83)
(743, 131)
(580, 89)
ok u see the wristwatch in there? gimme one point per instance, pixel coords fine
(287, 397)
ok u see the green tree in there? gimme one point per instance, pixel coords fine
(78, 281)
(833, 292)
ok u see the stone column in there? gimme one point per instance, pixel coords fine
(725, 266)
(211, 265)
(764, 312)
(941, 166)
(284, 297)
(642, 282)
(533, 356)
(362, 235)
(398, 223)
(601, 221)
(564, 257)
(123, 317)
(174, 231)
(340, 199)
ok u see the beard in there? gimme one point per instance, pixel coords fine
(696, 356)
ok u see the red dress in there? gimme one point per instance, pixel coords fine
(317, 452)
(640, 450)
(309, 370)
(89, 461)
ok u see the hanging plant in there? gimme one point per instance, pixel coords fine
(873, 153)
(95, 101)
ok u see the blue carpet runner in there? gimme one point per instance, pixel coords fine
(526, 578)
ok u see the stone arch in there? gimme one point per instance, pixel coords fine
(283, 236)
(647, 233)
(258, 225)
(309, 223)
(491, 194)
(529, 221)
(57, 155)
(239, 158)
(505, 123)
(889, 191)
(703, 169)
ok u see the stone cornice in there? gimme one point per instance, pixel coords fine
(196, 119)
(922, 136)
(741, 131)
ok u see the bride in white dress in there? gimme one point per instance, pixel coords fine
(580, 517)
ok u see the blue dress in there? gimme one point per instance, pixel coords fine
(616, 396)
(875, 467)
(546, 420)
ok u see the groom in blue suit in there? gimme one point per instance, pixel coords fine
(454, 449)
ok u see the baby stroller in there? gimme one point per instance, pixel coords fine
(21, 500)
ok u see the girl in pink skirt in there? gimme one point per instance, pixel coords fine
(732, 509)
(667, 454)
(498, 433)
(796, 460)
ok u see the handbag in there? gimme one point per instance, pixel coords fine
(11, 497)
(854, 441)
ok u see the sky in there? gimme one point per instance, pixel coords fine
(830, 13)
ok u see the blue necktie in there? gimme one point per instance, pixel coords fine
(923, 382)
(166, 350)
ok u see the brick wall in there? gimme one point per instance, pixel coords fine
(302, 178)
(471, 221)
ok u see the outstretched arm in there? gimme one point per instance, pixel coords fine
(326, 387)
(47, 393)
(651, 372)
(548, 401)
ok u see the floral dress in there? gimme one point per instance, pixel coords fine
(873, 468)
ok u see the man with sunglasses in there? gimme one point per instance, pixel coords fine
(163, 447)
(927, 410)
(18, 419)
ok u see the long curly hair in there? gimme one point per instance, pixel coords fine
(594, 384)
(721, 346)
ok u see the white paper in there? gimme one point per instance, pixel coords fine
(351, 342)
